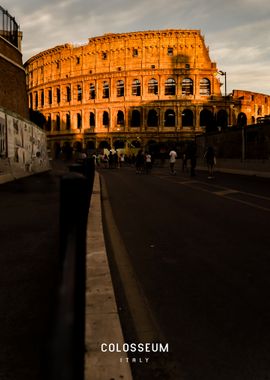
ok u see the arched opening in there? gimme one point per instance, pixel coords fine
(106, 90)
(67, 151)
(152, 147)
(120, 88)
(152, 118)
(79, 92)
(241, 120)
(79, 121)
(105, 119)
(68, 123)
(68, 93)
(222, 119)
(57, 149)
(169, 118)
(120, 118)
(187, 87)
(57, 122)
(207, 120)
(136, 87)
(104, 145)
(119, 144)
(187, 118)
(170, 86)
(136, 143)
(92, 120)
(135, 118)
(205, 88)
(90, 145)
(48, 125)
(153, 86)
(92, 91)
(77, 146)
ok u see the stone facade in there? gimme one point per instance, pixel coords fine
(252, 106)
(136, 88)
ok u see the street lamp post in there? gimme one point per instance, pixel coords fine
(223, 73)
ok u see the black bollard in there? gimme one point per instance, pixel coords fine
(68, 348)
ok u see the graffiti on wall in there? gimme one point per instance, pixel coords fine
(23, 145)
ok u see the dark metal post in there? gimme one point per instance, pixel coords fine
(67, 348)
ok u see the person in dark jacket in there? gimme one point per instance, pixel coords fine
(210, 161)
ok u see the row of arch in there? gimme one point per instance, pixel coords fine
(152, 118)
(121, 143)
(170, 89)
(153, 87)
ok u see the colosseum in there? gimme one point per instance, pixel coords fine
(132, 89)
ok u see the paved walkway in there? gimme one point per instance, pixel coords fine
(259, 168)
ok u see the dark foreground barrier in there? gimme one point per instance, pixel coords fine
(67, 348)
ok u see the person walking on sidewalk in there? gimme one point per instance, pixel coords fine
(148, 163)
(184, 162)
(140, 161)
(172, 161)
(210, 161)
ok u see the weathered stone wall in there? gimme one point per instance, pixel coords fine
(23, 147)
(253, 105)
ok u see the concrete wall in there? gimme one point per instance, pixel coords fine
(23, 147)
(13, 94)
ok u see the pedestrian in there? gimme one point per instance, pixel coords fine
(105, 161)
(121, 160)
(111, 160)
(210, 158)
(148, 163)
(184, 162)
(172, 161)
(139, 162)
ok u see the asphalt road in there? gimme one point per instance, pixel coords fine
(200, 251)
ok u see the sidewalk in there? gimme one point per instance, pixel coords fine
(102, 320)
(29, 233)
(259, 168)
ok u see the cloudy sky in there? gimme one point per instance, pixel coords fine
(236, 31)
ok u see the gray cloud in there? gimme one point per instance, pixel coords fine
(236, 30)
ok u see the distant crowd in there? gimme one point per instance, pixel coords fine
(143, 161)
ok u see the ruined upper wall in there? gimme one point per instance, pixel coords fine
(168, 51)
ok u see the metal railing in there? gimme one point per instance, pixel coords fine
(9, 29)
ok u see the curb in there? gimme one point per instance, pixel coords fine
(102, 324)
(145, 326)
